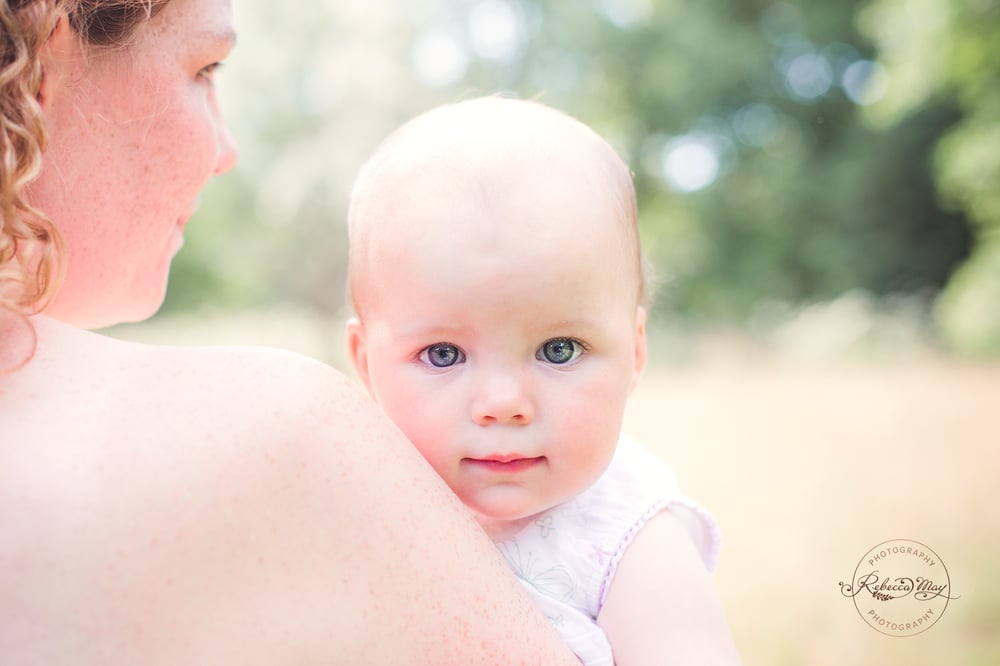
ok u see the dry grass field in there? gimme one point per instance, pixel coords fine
(806, 466)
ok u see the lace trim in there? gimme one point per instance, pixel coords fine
(709, 552)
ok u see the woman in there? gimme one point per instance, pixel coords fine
(190, 506)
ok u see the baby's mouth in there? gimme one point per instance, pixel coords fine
(505, 464)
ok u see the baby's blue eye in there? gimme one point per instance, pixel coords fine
(442, 355)
(559, 351)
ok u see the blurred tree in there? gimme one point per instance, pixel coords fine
(757, 175)
(963, 66)
(764, 168)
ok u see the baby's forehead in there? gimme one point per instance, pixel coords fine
(465, 202)
(490, 173)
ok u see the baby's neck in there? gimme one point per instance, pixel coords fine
(502, 530)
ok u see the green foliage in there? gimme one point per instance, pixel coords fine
(809, 189)
(967, 311)
(967, 162)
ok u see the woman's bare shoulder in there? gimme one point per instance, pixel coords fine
(95, 427)
(218, 505)
(129, 424)
(88, 380)
(189, 503)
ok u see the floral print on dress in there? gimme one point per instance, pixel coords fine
(545, 527)
(554, 582)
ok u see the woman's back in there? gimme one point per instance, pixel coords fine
(230, 505)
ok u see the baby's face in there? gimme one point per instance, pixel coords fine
(503, 337)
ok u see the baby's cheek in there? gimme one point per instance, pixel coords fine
(594, 422)
(425, 432)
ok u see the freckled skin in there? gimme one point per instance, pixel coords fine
(126, 162)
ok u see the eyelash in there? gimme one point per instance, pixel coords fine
(208, 72)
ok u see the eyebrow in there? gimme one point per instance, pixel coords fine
(445, 331)
(428, 331)
(573, 323)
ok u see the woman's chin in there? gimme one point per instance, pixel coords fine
(91, 314)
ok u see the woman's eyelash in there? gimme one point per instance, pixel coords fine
(208, 71)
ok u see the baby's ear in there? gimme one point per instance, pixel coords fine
(640, 345)
(357, 348)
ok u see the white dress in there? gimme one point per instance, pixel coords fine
(566, 558)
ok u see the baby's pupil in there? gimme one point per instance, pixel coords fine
(442, 355)
(559, 351)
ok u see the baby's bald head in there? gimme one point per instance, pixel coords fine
(510, 175)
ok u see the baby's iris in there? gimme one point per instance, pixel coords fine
(559, 351)
(442, 355)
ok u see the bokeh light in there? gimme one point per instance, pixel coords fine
(690, 163)
(808, 76)
(439, 58)
(865, 82)
(756, 124)
(626, 13)
(496, 30)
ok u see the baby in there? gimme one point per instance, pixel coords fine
(497, 278)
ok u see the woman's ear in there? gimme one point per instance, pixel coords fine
(357, 348)
(61, 54)
(641, 350)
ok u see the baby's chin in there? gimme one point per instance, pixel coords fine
(500, 529)
(503, 522)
